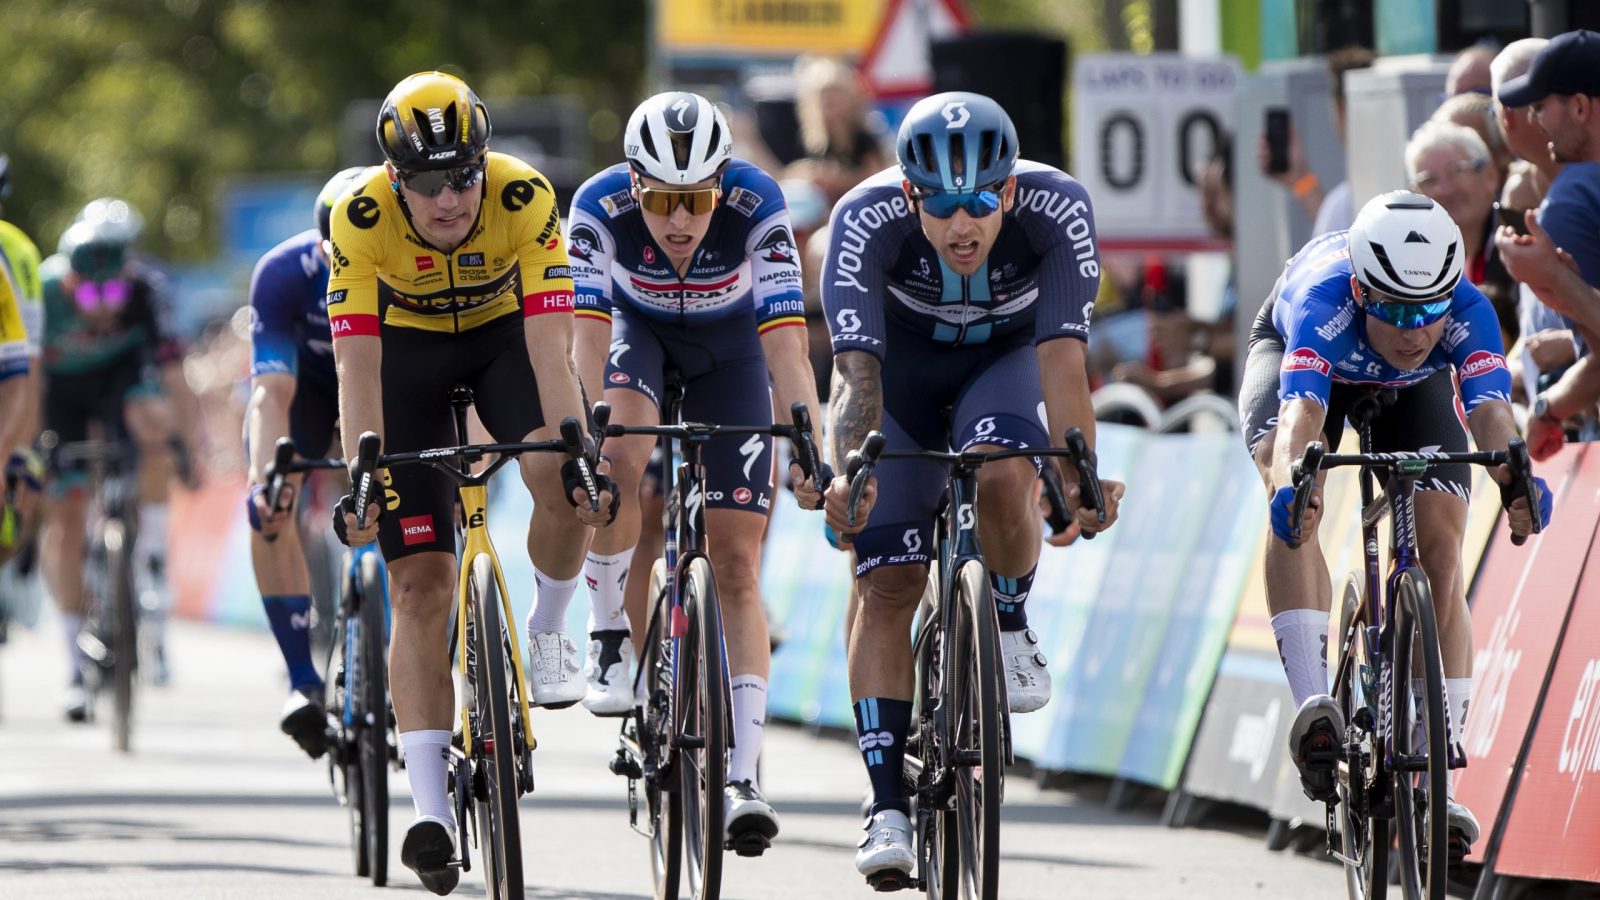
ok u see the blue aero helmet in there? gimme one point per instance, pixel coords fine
(956, 142)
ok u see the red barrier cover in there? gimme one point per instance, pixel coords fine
(1519, 602)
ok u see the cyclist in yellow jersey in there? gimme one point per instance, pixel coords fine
(20, 260)
(448, 267)
(13, 360)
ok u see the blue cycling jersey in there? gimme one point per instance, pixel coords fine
(747, 258)
(1325, 333)
(289, 311)
(1038, 281)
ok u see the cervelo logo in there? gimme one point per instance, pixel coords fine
(417, 529)
(1305, 359)
(1481, 362)
(857, 227)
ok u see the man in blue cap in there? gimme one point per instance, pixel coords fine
(1559, 259)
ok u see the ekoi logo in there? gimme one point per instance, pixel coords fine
(417, 529)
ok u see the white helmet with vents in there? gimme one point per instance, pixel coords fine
(678, 138)
(1405, 246)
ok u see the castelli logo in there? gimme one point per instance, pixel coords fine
(1305, 359)
(741, 496)
(619, 378)
(649, 255)
(1481, 362)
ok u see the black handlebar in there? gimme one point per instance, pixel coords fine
(1522, 485)
(1055, 497)
(1090, 493)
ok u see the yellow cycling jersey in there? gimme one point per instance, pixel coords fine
(13, 336)
(384, 272)
(20, 258)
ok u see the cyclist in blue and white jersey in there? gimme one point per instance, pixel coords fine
(1382, 305)
(294, 392)
(684, 259)
(958, 288)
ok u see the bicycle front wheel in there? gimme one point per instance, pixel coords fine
(1419, 740)
(976, 730)
(373, 721)
(702, 710)
(662, 799)
(1363, 837)
(123, 608)
(495, 746)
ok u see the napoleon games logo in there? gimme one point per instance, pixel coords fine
(779, 246)
(1481, 362)
(1305, 359)
(584, 243)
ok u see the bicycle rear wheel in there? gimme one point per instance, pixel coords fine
(373, 721)
(122, 607)
(1363, 837)
(975, 723)
(702, 757)
(494, 747)
(940, 843)
(1419, 730)
(660, 788)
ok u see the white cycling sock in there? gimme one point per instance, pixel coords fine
(607, 575)
(1459, 691)
(551, 599)
(150, 552)
(749, 726)
(1302, 636)
(70, 626)
(426, 755)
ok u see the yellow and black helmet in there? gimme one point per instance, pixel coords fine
(432, 121)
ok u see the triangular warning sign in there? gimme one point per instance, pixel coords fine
(897, 63)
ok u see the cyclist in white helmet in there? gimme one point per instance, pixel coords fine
(1382, 305)
(684, 259)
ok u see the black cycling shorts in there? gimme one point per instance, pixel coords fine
(419, 370)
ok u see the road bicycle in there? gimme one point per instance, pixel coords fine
(362, 741)
(676, 744)
(1394, 762)
(955, 759)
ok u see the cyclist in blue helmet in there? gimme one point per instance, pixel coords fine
(958, 287)
(1381, 305)
(293, 393)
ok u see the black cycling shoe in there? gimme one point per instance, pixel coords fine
(305, 721)
(430, 850)
(1314, 740)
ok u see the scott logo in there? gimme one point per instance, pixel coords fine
(912, 540)
(955, 114)
(1480, 363)
(849, 322)
(1305, 359)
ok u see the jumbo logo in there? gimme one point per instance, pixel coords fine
(1305, 359)
(1481, 362)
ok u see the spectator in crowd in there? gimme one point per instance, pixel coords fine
(1559, 260)
(1546, 347)
(1476, 111)
(836, 127)
(1469, 71)
(1333, 209)
(1449, 163)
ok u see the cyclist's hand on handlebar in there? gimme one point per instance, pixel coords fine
(1517, 511)
(1283, 511)
(263, 518)
(836, 503)
(1073, 531)
(344, 522)
(1088, 520)
(807, 494)
(610, 494)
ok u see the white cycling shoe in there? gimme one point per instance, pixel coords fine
(1027, 679)
(607, 671)
(1462, 826)
(884, 855)
(553, 669)
(751, 821)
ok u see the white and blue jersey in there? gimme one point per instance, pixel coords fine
(1325, 334)
(747, 264)
(289, 311)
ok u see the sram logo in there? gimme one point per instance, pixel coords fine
(1480, 363)
(1305, 359)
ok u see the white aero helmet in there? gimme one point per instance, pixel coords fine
(1405, 246)
(678, 138)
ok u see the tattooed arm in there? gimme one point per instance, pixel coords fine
(855, 411)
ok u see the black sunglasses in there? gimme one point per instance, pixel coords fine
(433, 181)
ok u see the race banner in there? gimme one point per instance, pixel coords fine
(766, 27)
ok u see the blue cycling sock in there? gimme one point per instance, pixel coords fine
(1009, 595)
(883, 724)
(290, 617)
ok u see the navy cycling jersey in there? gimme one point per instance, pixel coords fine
(289, 310)
(746, 260)
(1325, 334)
(1038, 282)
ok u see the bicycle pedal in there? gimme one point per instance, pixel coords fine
(561, 704)
(748, 843)
(889, 880)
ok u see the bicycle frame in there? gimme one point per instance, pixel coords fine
(352, 569)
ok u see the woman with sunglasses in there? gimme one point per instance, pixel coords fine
(1381, 305)
(684, 259)
(958, 287)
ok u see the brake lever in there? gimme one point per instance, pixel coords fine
(572, 438)
(1304, 475)
(366, 466)
(1090, 494)
(1522, 481)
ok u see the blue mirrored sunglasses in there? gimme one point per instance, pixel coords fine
(943, 205)
(1408, 315)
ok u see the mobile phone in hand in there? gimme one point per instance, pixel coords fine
(1516, 219)
(1277, 130)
